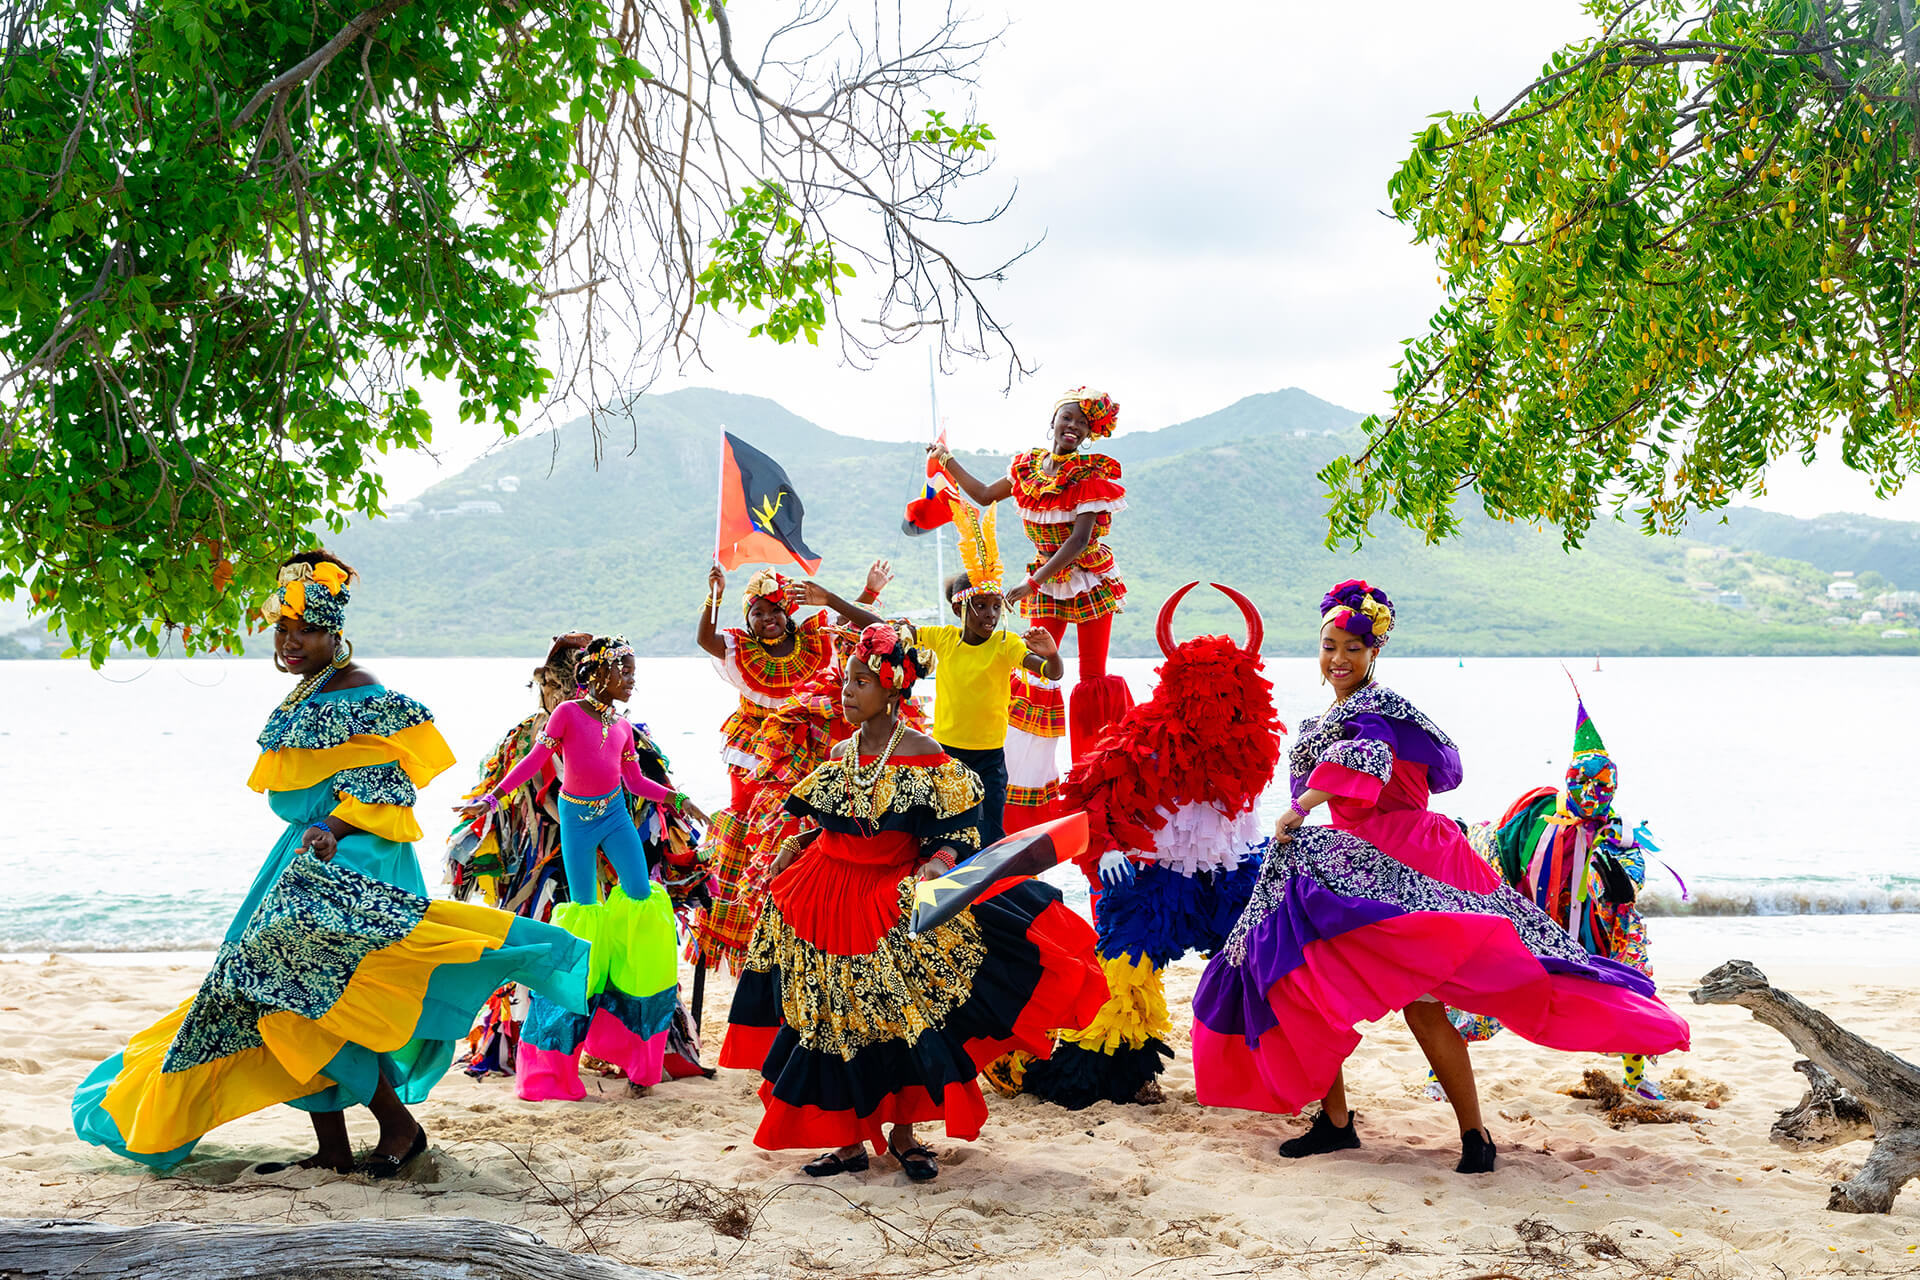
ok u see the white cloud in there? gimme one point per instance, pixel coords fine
(1209, 184)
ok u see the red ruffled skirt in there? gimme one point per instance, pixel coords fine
(854, 1024)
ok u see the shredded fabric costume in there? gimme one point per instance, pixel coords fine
(1570, 853)
(853, 1023)
(1174, 787)
(332, 975)
(765, 683)
(635, 1018)
(1383, 907)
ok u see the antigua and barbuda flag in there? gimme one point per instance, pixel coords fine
(760, 513)
(1020, 856)
(932, 507)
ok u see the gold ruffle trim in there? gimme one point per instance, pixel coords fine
(949, 789)
(905, 987)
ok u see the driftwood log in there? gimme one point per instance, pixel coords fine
(415, 1249)
(1827, 1117)
(1883, 1090)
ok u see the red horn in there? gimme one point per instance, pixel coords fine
(1256, 631)
(1163, 629)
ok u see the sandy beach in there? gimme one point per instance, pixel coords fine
(672, 1180)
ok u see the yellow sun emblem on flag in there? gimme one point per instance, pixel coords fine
(768, 508)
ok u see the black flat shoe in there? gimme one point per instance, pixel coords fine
(833, 1162)
(1476, 1152)
(918, 1162)
(1323, 1137)
(383, 1167)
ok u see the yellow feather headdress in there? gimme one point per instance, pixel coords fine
(979, 550)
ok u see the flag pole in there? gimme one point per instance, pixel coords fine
(719, 507)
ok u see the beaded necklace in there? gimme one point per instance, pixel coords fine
(308, 687)
(863, 783)
(603, 712)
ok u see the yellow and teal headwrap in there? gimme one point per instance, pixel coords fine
(315, 593)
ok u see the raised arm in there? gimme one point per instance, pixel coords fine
(705, 634)
(1043, 655)
(982, 492)
(815, 596)
(545, 744)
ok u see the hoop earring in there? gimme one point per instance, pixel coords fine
(280, 665)
(339, 661)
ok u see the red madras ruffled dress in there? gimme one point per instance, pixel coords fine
(765, 682)
(854, 1023)
(1385, 906)
(1088, 591)
(1089, 588)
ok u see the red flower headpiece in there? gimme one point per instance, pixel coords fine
(882, 651)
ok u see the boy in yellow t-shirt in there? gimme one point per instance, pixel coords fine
(973, 662)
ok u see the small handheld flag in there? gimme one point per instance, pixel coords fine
(760, 513)
(1020, 856)
(934, 505)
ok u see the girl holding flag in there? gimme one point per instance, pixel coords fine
(768, 661)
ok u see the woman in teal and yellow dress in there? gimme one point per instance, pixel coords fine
(340, 982)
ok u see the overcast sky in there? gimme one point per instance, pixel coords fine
(1209, 189)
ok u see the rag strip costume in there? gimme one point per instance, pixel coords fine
(1173, 789)
(853, 1023)
(1386, 906)
(512, 860)
(333, 975)
(765, 682)
(1571, 854)
(1086, 594)
(628, 1022)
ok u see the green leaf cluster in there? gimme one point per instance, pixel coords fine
(768, 261)
(214, 298)
(1684, 252)
(958, 139)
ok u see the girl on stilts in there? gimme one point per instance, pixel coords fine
(1067, 500)
(340, 982)
(599, 770)
(1388, 908)
(861, 1030)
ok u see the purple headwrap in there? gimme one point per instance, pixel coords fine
(1356, 606)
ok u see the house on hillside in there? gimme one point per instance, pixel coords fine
(1896, 601)
(1841, 589)
(1731, 600)
(1872, 618)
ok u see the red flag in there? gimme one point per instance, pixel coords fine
(931, 508)
(760, 513)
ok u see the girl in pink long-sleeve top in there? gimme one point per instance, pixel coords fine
(632, 991)
(597, 759)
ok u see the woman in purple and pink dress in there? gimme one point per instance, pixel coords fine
(1384, 908)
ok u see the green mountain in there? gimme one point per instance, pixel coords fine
(549, 541)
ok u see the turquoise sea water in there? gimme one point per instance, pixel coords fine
(1777, 787)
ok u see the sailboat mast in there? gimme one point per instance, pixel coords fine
(940, 534)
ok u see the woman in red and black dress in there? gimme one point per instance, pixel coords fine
(855, 1025)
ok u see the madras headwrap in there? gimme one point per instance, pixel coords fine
(771, 587)
(296, 595)
(1102, 410)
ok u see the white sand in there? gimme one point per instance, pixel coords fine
(1169, 1190)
